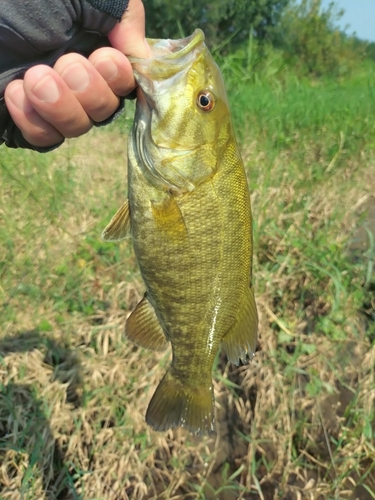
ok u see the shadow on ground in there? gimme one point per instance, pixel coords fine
(24, 425)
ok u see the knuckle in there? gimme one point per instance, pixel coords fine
(71, 127)
(103, 108)
(41, 137)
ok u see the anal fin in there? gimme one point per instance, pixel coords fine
(240, 341)
(119, 226)
(143, 328)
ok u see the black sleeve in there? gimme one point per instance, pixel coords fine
(39, 32)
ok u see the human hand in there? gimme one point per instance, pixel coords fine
(64, 101)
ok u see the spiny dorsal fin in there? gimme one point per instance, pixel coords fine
(143, 328)
(119, 226)
(241, 340)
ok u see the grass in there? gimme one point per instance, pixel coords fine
(299, 421)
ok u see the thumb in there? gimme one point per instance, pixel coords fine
(128, 36)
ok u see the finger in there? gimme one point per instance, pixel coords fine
(34, 128)
(88, 86)
(128, 36)
(55, 102)
(115, 68)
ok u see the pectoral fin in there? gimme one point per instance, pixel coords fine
(241, 339)
(119, 226)
(168, 218)
(143, 328)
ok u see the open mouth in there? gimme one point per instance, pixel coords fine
(170, 57)
(175, 49)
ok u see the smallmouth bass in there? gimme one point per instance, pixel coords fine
(188, 212)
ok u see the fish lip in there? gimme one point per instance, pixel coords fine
(169, 59)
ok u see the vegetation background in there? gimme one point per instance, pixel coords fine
(299, 421)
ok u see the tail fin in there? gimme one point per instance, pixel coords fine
(175, 404)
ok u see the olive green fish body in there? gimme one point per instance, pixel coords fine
(190, 220)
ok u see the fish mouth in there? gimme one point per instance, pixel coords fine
(169, 59)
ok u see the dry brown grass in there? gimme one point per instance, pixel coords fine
(296, 423)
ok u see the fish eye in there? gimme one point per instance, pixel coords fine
(205, 101)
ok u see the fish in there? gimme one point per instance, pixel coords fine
(189, 216)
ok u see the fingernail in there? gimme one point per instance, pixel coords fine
(46, 90)
(76, 77)
(107, 68)
(18, 98)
